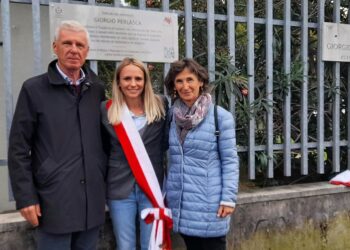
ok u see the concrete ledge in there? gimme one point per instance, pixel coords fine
(10, 218)
(290, 192)
(12, 221)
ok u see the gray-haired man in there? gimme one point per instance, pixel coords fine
(56, 159)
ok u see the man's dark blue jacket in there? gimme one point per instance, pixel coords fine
(56, 156)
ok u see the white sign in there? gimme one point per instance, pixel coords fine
(336, 42)
(116, 33)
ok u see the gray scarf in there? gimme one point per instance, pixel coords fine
(187, 118)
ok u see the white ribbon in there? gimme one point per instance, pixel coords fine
(157, 227)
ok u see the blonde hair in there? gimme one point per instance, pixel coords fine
(153, 104)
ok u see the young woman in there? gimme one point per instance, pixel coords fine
(202, 181)
(133, 93)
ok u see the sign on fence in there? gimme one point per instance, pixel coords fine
(336, 42)
(116, 33)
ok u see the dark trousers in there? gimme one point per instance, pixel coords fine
(84, 240)
(198, 243)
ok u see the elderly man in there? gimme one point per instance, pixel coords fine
(56, 159)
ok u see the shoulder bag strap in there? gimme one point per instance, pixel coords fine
(217, 131)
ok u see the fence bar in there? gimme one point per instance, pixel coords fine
(304, 88)
(231, 36)
(231, 45)
(211, 39)
(336, 100)
(117, 3)
(188, 28)
(165, 8)
(269, 85)
(320, 91)
(251, 77)
(93, 64)
(287, 96)
(7, 66)
(348, 107)
(7, 62)
(142, 4)
(37, 38)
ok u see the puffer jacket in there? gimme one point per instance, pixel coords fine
(199, 180)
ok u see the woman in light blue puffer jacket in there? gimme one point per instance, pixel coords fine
(203, 174)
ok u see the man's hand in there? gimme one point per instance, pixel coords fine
(31, 214)
(225, 211)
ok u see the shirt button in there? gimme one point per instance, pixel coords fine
(82, 181)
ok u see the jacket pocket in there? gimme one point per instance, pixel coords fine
(46, 172)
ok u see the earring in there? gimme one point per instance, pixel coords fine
(174, 94)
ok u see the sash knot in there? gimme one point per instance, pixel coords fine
(162, 224)
(149, 215)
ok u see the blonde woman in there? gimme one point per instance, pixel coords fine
(133, 94)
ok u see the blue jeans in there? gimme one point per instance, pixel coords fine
(84, 240)
(124, 213)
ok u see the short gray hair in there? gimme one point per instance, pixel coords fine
(71, 25)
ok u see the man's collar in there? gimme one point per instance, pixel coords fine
(69, 80)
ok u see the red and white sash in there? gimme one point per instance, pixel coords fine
(144, 174)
